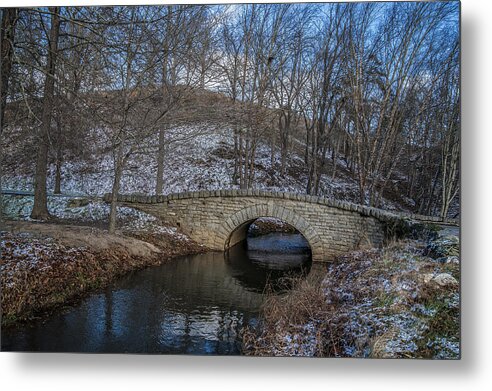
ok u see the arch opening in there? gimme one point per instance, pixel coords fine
(240, 234)
(270, 244)
(261, 226)
(237, 226)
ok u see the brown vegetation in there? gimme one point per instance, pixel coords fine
(389, 303)
(46, 265)
(290, 319)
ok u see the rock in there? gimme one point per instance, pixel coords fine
(443, 247)
(426, 278)
(445, 279)
(77, 202)
(441, 279)
(452, 259)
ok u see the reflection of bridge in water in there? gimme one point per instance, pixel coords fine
(260, 269)
(194, 304)
(220, 219)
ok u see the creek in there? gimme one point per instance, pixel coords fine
(194, 304)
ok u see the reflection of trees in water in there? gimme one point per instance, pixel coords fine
(196, 304)
(258, 270)
(191, 305)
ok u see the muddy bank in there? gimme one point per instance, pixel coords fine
(401, 301)
(44, 266)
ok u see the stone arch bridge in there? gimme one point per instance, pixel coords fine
(220, 219)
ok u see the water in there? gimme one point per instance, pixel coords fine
(190, 305)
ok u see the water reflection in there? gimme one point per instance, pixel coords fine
(265, 261)
(196, 304)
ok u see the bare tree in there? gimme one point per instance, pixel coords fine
(372, 87)
(184, 65)
(9, 20)
(450, 122)
(326, 98)
(7, 34)
(40, 208)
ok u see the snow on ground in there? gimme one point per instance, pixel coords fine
(20, 207)
(23, 253)
(271, 221)
(391, 307)
(401, 301)
(303, 342)
(198, 157)
(131, 220)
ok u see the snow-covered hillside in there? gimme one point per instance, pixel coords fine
(198, 157)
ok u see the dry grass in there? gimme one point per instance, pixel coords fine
(291, 322)
(370, 303)
(40, 273)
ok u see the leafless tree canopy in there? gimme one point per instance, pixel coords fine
(373, 85)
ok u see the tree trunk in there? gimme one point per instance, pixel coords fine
(246, 160)
(160, 164)
(59, 157)
(251, 174)
(58, 173)
(272, 158)
(306, 149)
(40, 208)
(9, 19)
(166, 90)
(235, 175)
(118, 171)
(334, 159)
(282, 125)
(313, 169)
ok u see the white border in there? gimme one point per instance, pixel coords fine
(22, 371)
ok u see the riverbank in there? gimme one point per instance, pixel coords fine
(267, 225)
(45, 265)
(401, 301)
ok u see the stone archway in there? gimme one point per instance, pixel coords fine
(217, 219)
(237, 225)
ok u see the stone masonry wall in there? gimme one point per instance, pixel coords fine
(217, 219)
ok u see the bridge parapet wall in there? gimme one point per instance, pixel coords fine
(344, 205)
